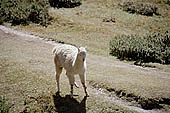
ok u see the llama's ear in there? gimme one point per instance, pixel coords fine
(85, 47)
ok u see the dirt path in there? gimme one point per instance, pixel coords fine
(40, 60)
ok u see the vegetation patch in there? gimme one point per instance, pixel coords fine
(147, 9)
(24, 11)
(4, 108)
(151, 48)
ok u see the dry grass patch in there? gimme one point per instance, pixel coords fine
(138, 85)
(20, 84)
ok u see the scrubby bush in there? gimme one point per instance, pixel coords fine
(65, 3)
(24, 11)
(147, 9)
(151, 48)
(38, 12)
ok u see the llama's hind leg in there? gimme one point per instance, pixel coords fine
(58, 72)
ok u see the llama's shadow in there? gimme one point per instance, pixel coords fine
(69, 105)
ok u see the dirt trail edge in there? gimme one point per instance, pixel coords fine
(92, 62)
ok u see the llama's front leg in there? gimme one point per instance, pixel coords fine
(85, 89)
(71, 92)
(71, 81)
(82, 78)
(71, 84)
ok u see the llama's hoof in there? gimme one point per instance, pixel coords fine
(71, 96)
(87, 95)
(58, 92)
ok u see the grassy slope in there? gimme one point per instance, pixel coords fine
(83, 26)
(28, 84)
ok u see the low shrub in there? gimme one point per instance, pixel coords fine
(24, 11)
(38, 12)
(65, 3)
(147, 9)
(4, 108)
(151, 48)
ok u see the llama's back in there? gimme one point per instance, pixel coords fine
(66, 55)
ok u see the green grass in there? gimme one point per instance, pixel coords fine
(24, 12)
(151, 48)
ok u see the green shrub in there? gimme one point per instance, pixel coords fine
(38, 12)
(4, 108)
(147, 9)
(24, 11)
(65, 3)
(151, 48)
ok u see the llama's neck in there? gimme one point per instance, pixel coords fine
(79, 66)
(79, 62)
